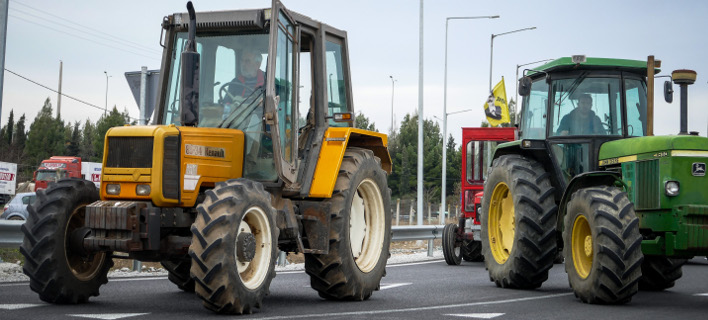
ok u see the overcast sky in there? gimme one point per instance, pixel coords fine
(91, 37)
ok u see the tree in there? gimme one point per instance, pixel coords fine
(362, 122)
(46, 136)
(86, 149)
(113, 119)
(73, 149)
(8, 131)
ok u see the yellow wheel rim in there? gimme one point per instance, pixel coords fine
(581, 244)
(502, 223)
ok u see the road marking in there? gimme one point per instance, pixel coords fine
(413, 263)
(394, 285)
(376, 312)
(17, 306)
(136, 279)
(701, 294)
(107, 316)
(477, 315)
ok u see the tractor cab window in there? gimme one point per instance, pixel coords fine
(636, 97)
(533, 117)
(479, 155)
(336, 86)
(586, 106)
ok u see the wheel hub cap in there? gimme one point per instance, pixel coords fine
(501, 223)
(246, 247)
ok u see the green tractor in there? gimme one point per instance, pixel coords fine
(588, 178)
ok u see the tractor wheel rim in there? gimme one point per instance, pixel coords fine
(367, 225)
(83, 268)
(581, 243)
(254, 272)
(501, 223)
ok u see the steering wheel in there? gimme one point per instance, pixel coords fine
(233, 86)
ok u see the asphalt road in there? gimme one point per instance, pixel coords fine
(428, 290)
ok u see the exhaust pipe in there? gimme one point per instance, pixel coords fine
(189, 104)
(684, 78)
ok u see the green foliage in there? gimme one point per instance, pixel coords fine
(46, 136)
(72, 149)
(86, 150)
(362, 122)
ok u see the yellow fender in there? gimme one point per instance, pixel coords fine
(336, 141)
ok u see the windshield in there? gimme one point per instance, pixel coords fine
(586, 106)
(47, 175)
(232, 75)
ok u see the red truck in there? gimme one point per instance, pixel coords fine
(462, 240)
(60, 167)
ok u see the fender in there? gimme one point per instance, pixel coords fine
(335, 142)
(584, 180)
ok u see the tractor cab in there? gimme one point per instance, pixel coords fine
(576, 105)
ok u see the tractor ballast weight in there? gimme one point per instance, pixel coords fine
(588, 178)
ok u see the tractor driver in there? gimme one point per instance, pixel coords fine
(250, 75)
(582, 120)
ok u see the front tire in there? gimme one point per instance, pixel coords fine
(660, 273)
(452, 251)
(234, 245)
(360, 231)
(602, 246)
(518, 220)
(178, 273)
(57, 272)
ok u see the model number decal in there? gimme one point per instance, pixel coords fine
(609, 161)
(661, 154)
(204, 151)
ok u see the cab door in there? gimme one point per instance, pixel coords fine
(282, 91)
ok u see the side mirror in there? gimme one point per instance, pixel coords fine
(668, 92)
(524, 86)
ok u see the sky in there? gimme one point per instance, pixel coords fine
(91, 37)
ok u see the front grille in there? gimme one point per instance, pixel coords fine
(129, 152)
(171, 168)
(647, 184)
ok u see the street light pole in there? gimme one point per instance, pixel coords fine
(105, 109)
(491, 51)
(393, 87)
(444, 154)
(516, 90)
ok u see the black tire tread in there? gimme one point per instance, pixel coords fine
(660, 273)
(449, 236)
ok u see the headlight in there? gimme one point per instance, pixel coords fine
(672, 188)
(113, 189)
(142, 189)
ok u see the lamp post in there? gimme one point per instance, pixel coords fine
(491, 51)
(516, 90)
(444, 155)
(393, 87)
(105, 110)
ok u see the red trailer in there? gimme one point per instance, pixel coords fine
(461, 240)
(56, 168)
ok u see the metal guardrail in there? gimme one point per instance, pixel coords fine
(11, 236)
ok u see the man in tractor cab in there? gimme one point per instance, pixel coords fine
(582, 120)
(250, 75)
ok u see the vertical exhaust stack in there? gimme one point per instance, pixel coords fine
(189, 105)
(684, 78)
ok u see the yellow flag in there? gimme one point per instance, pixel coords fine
(495, 108)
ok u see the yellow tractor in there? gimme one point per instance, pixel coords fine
(252, 150)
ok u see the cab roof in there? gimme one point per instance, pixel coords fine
(566, 63)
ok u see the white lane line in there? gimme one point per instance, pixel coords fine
(376, 312)
(412, 264)
(476, 315)
(137, 279)
(393, 285)
(701, 294)
(107, 316)
(17, 306)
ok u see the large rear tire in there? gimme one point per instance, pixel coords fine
(452, 250)
(234, 245)
(472, 251)
(660, 273)
(57, 271)
(602, 246)
(360, 231)
(518, 219)
(178, 273)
